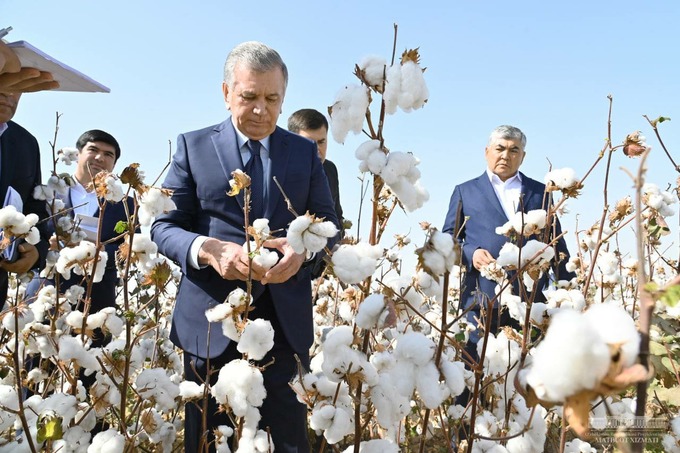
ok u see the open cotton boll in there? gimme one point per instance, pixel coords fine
(154, 384)
(414, 92)
(412, 196)
(370, 311)
(189, 390)
(572, 357)
(109, 441)
(615, 327)
(354, 263)
(263, 257)
(219, 312)
(414, 347)
(374, 70)
(240, 386)
(348, 111)
(562, 178)
(366, 149)
(392, 89)
(376, 162)
(257, 339)
(375, 446)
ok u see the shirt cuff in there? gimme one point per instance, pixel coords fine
(193, 252)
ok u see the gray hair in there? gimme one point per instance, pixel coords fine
(508, 133)
(255, 56)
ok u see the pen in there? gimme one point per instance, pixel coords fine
(4, 32)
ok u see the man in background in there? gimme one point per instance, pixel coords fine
(313, 125)
(480, 205)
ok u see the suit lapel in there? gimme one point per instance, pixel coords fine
(486, 190)
(279, 153)
(7, 146)
(227, 149)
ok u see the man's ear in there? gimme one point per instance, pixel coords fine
(225, 93)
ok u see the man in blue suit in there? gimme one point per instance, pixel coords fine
(97, 151)
(480, 205)
(205, 235)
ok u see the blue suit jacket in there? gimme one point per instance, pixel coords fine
(477, 200)
(199, 176)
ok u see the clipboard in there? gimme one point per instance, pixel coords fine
(69, 79)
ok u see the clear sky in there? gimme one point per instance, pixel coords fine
(546, 67)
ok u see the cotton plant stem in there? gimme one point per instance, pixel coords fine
(646, 301)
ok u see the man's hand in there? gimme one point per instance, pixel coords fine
(15, 79)
(481, 258)
(287, 266)
(28, 256)
(228, 259)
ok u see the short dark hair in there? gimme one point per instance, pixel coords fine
(96, 135)
(307, 120)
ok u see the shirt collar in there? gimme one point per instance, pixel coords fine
(3, 128)
(242, 139)
(493, 177)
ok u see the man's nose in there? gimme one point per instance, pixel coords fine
(258, 107)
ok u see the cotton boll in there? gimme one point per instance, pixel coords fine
(392, 89)
(257, 339)
(366, 149)
(354, 263)
(431, 391)
(370, 311)
(414, 92)
(572, 357)
(615, 327)
(454, 376)
(415, 348)
(109, 441)
(376, 162)
(155, 385)
(348, 111)
(240, 386)
(374, 70)
(189, 390)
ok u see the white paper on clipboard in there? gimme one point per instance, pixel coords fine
(69, 79)
(89, 225)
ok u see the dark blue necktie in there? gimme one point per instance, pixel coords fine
(255, 171)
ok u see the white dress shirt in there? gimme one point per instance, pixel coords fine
(83, 202)
(508, 191)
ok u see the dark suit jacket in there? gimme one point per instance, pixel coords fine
(103, 292)
(199, 176)
(332, 174)
(477, 200)
(20, 169)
